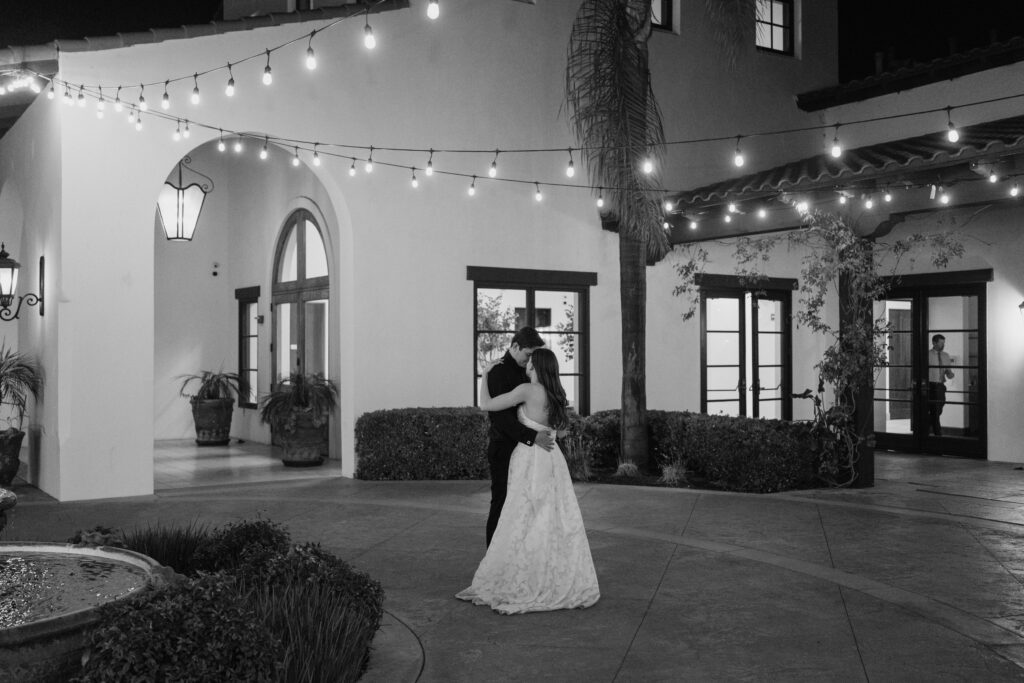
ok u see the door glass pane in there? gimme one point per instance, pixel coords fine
(496, 319)
(566, 349)
(723, 314)
(723, 348)
(316, 255)
(724, 408)
(315, 337)
(288, 270)
(894, 383)
(285, 346)
(769, 381)
(953, 366)
(769, 315)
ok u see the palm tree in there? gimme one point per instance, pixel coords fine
(617, 123)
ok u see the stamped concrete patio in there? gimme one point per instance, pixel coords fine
(916, 579)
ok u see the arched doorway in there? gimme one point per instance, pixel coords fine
(300, 299)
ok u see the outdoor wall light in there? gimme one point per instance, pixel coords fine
(1021, 309)
(9, 286)
(179, 204)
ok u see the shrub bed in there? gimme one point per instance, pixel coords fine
(602, 433)
(294, 612)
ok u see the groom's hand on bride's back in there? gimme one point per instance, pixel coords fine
(545, 440)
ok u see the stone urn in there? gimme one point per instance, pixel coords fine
(7, 501)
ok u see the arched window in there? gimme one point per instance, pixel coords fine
(300, 299)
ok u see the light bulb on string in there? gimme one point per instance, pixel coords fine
(81, 96)
(538, 195)
(472, 187)
(732, 207)
(368, 166)
(600, 197)
(693, 224)
(762, 213)
(415, 183)
(352, 168)
(238, 146)
(138, 122)
(943, 195)
(229, 89)
(430, 163)
(869, 203)
(669, 206)
(728, 218)
(887, 196)
(131, 115)
(647, 166)
(837, 148)
(165, 101)
(195, 88)
(101, 105)
(433, 9)
(310, 54)
(993, 177)
(570, 170)
(50, 94)
(295, 157)
(842, 198)
(316, 154)
(493, 170)
(117, 100)
(263, 152)
(68, 99)
(667, 226)
(220, 142)
(177, 132)
(142, 98)
(368, 40)
(188, 131)
(268, 76)
(802, 206)
(952, 134)
(738, 159)
(1015, 190)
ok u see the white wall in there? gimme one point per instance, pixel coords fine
(487, 75)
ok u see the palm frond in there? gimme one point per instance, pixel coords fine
(732, 25)
(614, 114)
(21, 376)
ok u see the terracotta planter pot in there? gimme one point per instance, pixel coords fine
(305, 446)
(10, 448)
(213, 420)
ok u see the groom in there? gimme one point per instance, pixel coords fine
(506, 429)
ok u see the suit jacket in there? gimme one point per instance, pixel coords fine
(505, 424)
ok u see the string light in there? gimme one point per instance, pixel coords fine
(415, 183)
(185, 133)
(142, 98)
(1015, 190)
(669, 205)
(888, 196)
(50, 94)
(943, 195)
(310, 55)
(993, 177)
(732, 207)
(268, 76)
(842, 198)
(101, 105)
(177, 132)
(195, 88)
(352, 168)
(316, 155)
(295, 157)
(472, 187)
(430, 163)
(869, 203)
(131, 115)
(570, 171)
(433, 9)
(693, 224)
(368, 166)
(165, 101)
(538, 196)
(138, 122)
(762, 213)
(67, 95)
(738, 159)
(667, 226)
(493, 170)
(952, 134)
(81, 96)
(263, 152)
(600, 197)
(837, 148)
(220, 142)
(648, 166)
(728, 218)
(238, 146)
(229, 89)
(368, 40)
(117, 100)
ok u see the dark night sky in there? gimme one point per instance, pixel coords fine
(908, 30)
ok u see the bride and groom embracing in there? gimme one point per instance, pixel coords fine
(538, 557)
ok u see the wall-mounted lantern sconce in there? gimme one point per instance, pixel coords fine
(9, 286)
(1021, 309)
(179, 204)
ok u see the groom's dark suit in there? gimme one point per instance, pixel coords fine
(506, 431)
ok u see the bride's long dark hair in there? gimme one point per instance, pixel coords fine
(545, 364)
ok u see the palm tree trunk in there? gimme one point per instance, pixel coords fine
(633, 448)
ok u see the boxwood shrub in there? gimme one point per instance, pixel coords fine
(422, 443)
(602, 431)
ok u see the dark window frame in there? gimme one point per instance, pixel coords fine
(247, 296)
(788, 27)
(532, 281)
(666, 15)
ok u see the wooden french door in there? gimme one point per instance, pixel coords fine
(909, 414)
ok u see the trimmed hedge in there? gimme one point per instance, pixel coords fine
(422, 443)
(602, 433)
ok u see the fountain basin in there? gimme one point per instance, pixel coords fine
(50, 596)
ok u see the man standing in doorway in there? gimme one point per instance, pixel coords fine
(938, 372)
(506, 429)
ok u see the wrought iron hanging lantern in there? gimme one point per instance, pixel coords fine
(179, 205)
(9, 286)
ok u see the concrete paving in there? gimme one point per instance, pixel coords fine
(916, 579)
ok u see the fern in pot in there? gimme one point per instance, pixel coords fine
(20, 377)
(298, 410)
(213, 404)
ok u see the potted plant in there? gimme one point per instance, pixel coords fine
(212, 405)
(297, 411)
(20, 377)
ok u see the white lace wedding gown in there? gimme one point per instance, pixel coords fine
(539, 558)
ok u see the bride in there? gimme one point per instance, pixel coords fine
(539, 558)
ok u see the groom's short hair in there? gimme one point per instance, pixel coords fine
(527, 338)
